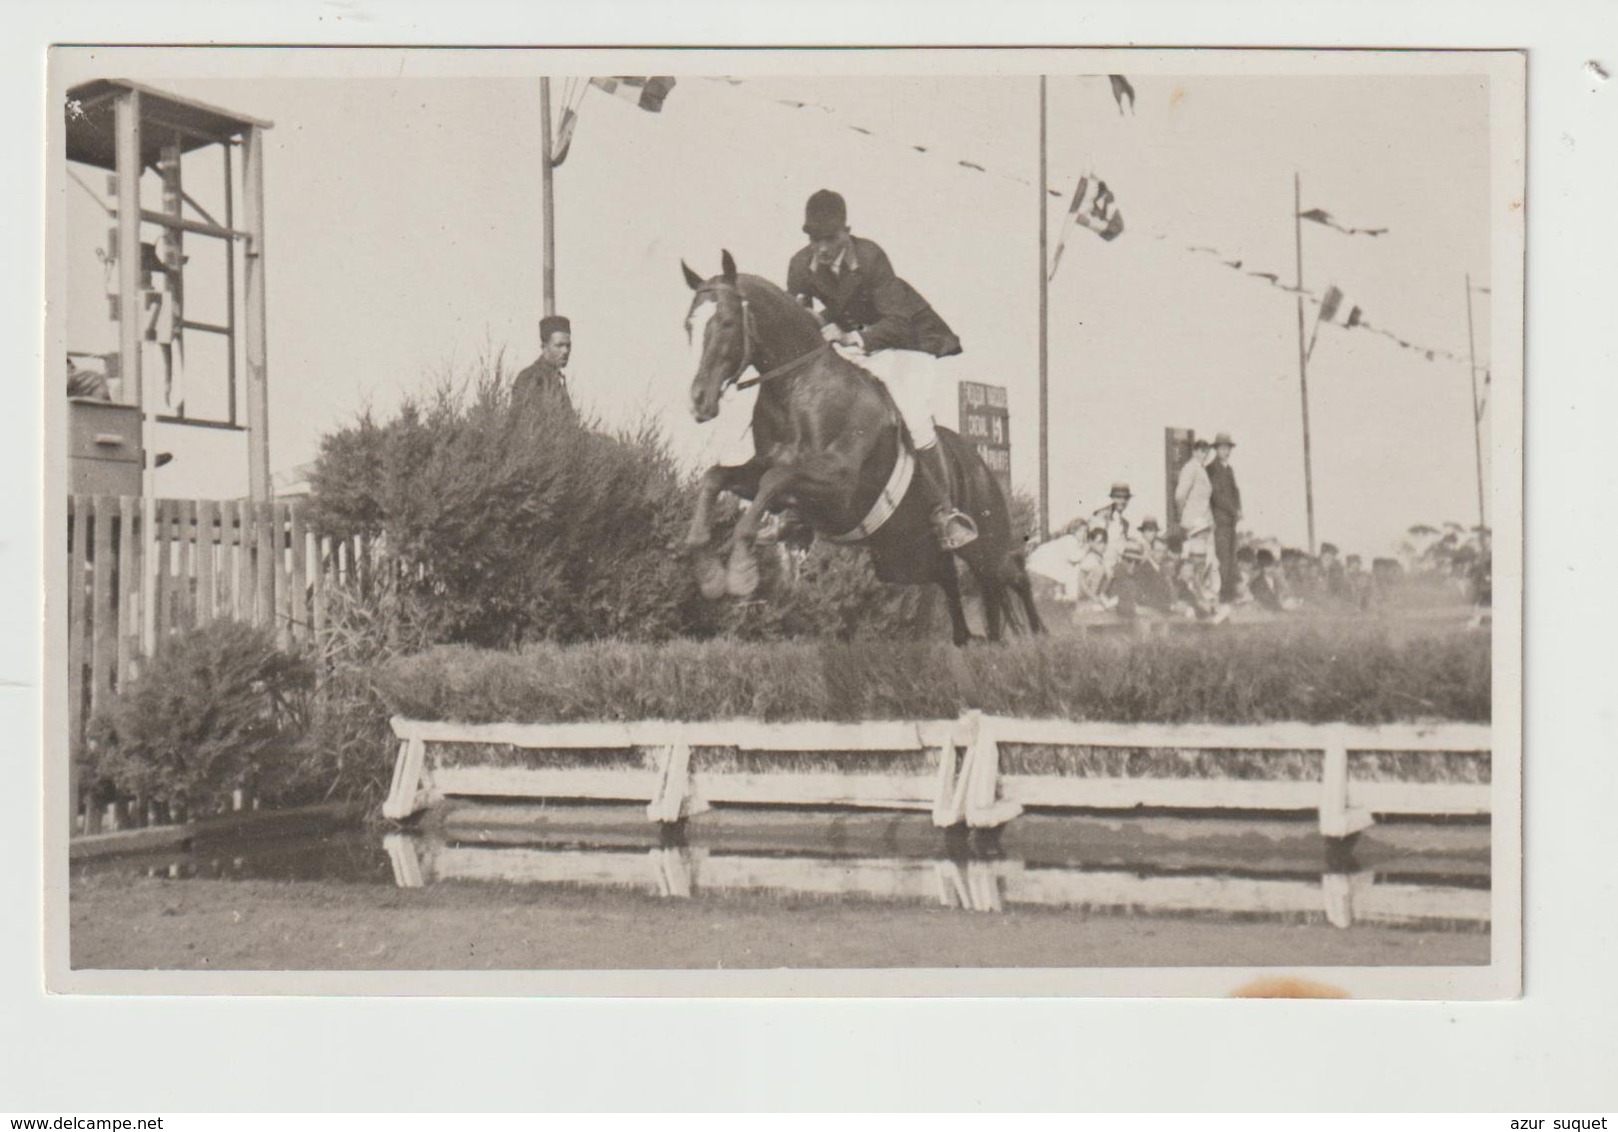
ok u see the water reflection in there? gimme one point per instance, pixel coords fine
(1426, 898)
(1431, 878)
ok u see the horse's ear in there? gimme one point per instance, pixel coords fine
(692, 279)
(727, 267)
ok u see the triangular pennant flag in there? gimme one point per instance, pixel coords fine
(1322, 217)
(564, 137)
(1122, 90)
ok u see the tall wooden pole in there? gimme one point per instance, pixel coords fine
(1303, 361)
(547, 195)
(1044, 336)
(1477, 411)
(258, 385)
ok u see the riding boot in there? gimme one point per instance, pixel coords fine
(952, 528)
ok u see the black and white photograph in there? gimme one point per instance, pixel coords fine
(785, 522)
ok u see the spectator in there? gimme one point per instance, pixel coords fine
(1112, 519)
(1225, 501)
(1264, 582)
(1093, 575)
(1361, 587)
(542, 386)
(1241, 589)
(1331, 569)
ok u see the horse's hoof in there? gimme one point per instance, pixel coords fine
(741, 578)
(710, 575)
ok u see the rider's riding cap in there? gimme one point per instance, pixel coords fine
(552, 323)
(825, 215)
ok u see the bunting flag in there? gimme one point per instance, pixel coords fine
(1122, 90)
(645, 91)
(1331, 307)
(564, 136)
(1322, 217)
(1093, 207)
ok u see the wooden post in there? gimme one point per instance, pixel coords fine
(318, 613)
(1044, 335)
(1337, 818)
(230, 292)
(187, 594)
(298, 597)
(78, 535)
(246, 547)
(206, 597)
(103, 614)
(162, 600)
(258, 397)
(1303, 361)
(266, 562)
(1477, 409)
(129, 575)
(128, 170)
(547, 196)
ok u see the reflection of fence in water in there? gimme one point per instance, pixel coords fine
(980, 885)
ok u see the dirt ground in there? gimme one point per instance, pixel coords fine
(144, 924)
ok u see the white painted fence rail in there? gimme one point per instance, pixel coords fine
(971, 789)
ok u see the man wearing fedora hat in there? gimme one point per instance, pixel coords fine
(1225, 499)
(894, 333)
(1114, 521)
(542, 386)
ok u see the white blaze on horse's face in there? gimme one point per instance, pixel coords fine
(704, 388)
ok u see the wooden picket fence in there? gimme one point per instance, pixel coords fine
(142, 570)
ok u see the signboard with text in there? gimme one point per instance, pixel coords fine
(986, 423)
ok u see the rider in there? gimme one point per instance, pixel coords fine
(869, 309)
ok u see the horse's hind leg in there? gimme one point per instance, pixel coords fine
(1025, 590)
(992, 595)
(951, 585)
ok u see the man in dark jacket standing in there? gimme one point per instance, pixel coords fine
(893, 332)
(1225, 499)
(542, 386)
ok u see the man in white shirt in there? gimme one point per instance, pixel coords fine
(1193, 503)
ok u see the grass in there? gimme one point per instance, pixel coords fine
(1351, 674)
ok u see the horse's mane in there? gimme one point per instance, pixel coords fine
(783, 306)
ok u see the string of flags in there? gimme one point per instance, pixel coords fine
(1093, 206)
(646, 92)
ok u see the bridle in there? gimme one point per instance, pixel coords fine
(749, 336)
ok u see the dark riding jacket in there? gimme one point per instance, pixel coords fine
(868, 297)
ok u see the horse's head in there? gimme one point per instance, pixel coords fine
(722, 338)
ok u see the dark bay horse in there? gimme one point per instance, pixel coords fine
(829, 443)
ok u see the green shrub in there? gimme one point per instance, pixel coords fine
(218, 708)
(353, 744)
(1353, 676)
(525, 527)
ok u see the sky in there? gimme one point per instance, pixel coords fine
(404, 237)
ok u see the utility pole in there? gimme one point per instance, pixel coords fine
(1303, 360)
(1044, 336)
(1477, 408)
(548, 197)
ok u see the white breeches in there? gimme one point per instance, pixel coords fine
(913, 379)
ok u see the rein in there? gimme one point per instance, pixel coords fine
(750, 334)
(781, 369)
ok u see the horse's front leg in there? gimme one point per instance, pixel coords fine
(741, 572)
(742, 479)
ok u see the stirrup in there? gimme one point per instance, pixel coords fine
(954, 529)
